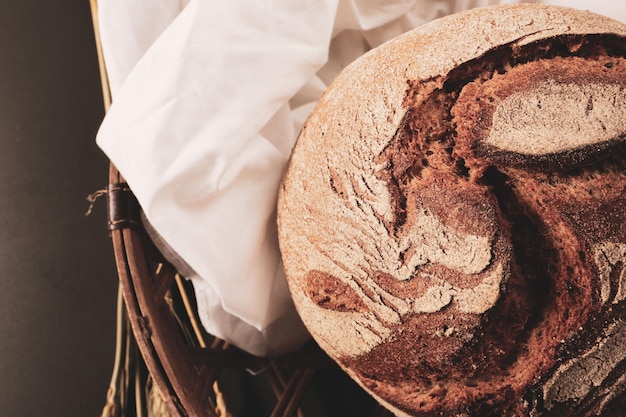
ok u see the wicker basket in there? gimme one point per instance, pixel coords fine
(167, 365)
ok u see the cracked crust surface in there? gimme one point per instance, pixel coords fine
(447, 264)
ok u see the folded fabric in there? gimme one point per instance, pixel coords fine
(208, 99)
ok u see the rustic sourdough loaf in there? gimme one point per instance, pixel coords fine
(452, 218)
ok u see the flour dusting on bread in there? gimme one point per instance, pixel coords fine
(452, 219)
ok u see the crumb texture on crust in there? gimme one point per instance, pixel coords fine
(453, 226)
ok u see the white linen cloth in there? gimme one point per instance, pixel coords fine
(208, 99)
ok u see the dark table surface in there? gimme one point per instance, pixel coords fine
(58, 282)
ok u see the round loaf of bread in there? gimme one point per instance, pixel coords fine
(452, 219)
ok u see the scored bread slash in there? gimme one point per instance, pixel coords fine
(452, 220)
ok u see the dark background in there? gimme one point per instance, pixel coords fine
(58, 282)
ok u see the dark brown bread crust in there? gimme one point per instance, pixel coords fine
(450, 266)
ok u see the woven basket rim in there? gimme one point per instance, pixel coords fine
(184, 371)
(183, 360)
